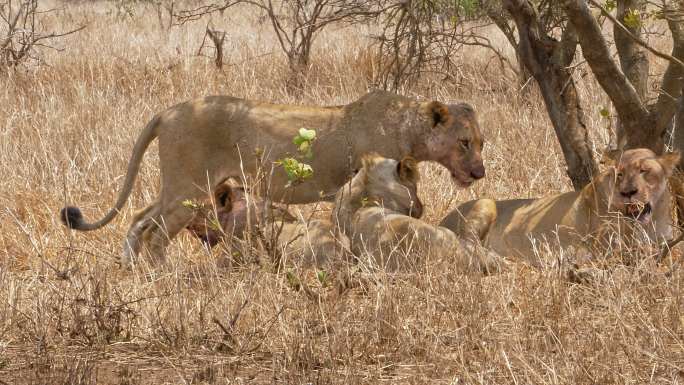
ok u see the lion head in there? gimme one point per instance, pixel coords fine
(638, 179)
(392, 184)
(454, 140)
(236, 212)
(381, 182)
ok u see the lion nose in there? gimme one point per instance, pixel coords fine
(419, 212)
(416, 209)
(629, 192)
(478, 172)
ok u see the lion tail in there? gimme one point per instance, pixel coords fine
(73, 218)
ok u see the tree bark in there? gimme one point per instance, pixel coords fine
(633, 58)
(671, 85)
(500, 21)
(642, 128)
(548, 60)
(677, 179)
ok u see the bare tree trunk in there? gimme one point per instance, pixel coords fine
(669, 96)
(644, 125)
(298, 65)
(633, 58)
(677, 179)
(548, 61)
(678, 139)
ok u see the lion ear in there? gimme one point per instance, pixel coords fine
(407, 168)
(438, 112)
(224, 196)
(669, 161)
(369, 159)
(611, 157)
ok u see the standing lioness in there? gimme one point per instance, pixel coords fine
(210, 139)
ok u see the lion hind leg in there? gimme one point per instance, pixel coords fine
(142, 221)
(156, 238)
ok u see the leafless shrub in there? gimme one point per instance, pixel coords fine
(420, 37)
(63, 370)
(21, 32)
(217, 38)
(296, 24)
(165, 9)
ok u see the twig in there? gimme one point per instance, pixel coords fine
(667, 247)
(636, 39)
(217, 37)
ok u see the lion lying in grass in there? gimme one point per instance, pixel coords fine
(234, 213)
(207, 140)
(632, 191)
(379, 210)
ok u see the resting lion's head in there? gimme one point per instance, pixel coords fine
(380, 182)
(235, 212)
(638, 180)
(455, 141)
(392, 184)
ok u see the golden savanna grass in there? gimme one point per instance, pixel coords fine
(68, 315)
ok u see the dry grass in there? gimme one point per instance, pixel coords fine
(68, 315)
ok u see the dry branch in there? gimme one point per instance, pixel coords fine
(635, 38)
(296, 23)
(217, 38)
(597, 54)
(549, 60)
(22, 37)
(644, 125)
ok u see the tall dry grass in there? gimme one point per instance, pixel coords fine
(68, 315)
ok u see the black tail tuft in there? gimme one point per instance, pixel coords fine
(71, 217)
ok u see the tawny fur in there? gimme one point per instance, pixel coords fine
(585, 218)
(232, 213)
(379, 210)
(208, 140)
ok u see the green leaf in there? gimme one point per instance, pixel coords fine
(454, 20)
(307, 134)
(190, 204)
(305, 171)
(295, 170)
(610, 5)
(214, 224)
(633, 18)
(604, 112)
(322, 277)
(305, 147)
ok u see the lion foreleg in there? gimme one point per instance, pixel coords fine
(479, 220)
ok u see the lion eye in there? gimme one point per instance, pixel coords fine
(465, 143)
(644, 170)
